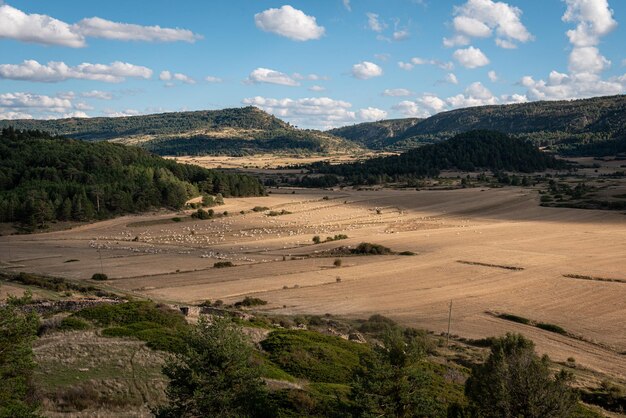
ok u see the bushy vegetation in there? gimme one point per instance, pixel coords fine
(469, 151)
(250, 301)
(313, 356)
(158, 325)
(18, 330)
(45, 178)
(223, 264)
(99, 277)
(366, 248)
(56, 284)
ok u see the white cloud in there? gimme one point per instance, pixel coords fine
(365, 70)
(481, 18)
(96, 27)
(586, 63)
(492, 76)
(78, 114)
(374, 24)
(317, 112)
(4, 115)
(451, 79)
(346, 4)
(290, 23)
(123, 113)
(184, 78)
(594, 17)
(400, 35)
(43, 29)
(317, 88)
(385, 57)
(311, 77)
(29, 100)
(31, 70)
(471, 57)
(397, 92)
(265, 75)
(371, 114)
(97, 94)
(421, 61)
(165, 76)
(457, 40)
(36, 28)
(212, 79)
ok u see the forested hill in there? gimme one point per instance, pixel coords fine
(470, 151)
(376, 135)
(44, 178)
(564, 125)
(228, 131)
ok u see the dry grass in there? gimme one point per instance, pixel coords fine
(82, 374)
(499, 227)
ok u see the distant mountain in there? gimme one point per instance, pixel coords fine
(235, 131)
(376, 135)
(468, 151)
(566, 125)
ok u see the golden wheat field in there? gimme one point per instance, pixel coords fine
(487, 251)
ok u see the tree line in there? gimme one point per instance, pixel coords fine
(45, 178)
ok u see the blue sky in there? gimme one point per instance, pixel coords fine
(317, 64)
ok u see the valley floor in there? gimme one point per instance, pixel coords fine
(462, 238)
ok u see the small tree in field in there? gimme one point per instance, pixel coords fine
(515, 382)
(215, 375)
(317, 239)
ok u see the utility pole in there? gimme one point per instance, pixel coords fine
(449, 320)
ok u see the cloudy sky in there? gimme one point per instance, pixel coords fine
(315, 63)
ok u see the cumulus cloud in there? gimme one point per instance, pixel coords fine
(43, 29)
(96, 27)
(371, 114)
(397, 92)
(77, 114)
(474, 95)
(400, 35)
(317, 112)
(365, 70)
(36, 28)
(165, 76)
(9, 115)
(29, 100)
(471, 57)
(594, 20)
(421, 61)
(451, 79)
(493, 76)
(120, 113)
(290, 23)
(97, 94)
(265, 75)
(483, 18)
(317, 88)
(213, 79)
(31, 70)
(374, 23)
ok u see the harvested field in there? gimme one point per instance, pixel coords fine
(498, 231)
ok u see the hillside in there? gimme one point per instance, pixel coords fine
(236, 131)
(564, 125)
(376, 135)
(469, 151)
(44, 178)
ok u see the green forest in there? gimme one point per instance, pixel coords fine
(45, 178)
(470, 151)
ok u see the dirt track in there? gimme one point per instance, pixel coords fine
(173, 261)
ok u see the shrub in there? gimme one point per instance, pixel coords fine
(202, 214)
(223, 264)
(551, 328)
(406, 253)
(260, 208)
(72, 323)
(373, 249)
(99, 277)
(337, 262)
(248, 301)
(316, 239)
(377, 324)
(176, 219)
(515, 318)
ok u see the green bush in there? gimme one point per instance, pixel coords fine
(314, 356)
(248, 301)
(99, 277)
(72, 323)
(552, 328)
(260, 208)
(373, 249)
(515, 318)
(223, 264)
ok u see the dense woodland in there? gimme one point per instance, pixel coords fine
(470, 151)
(563, 125)
(45, 178)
